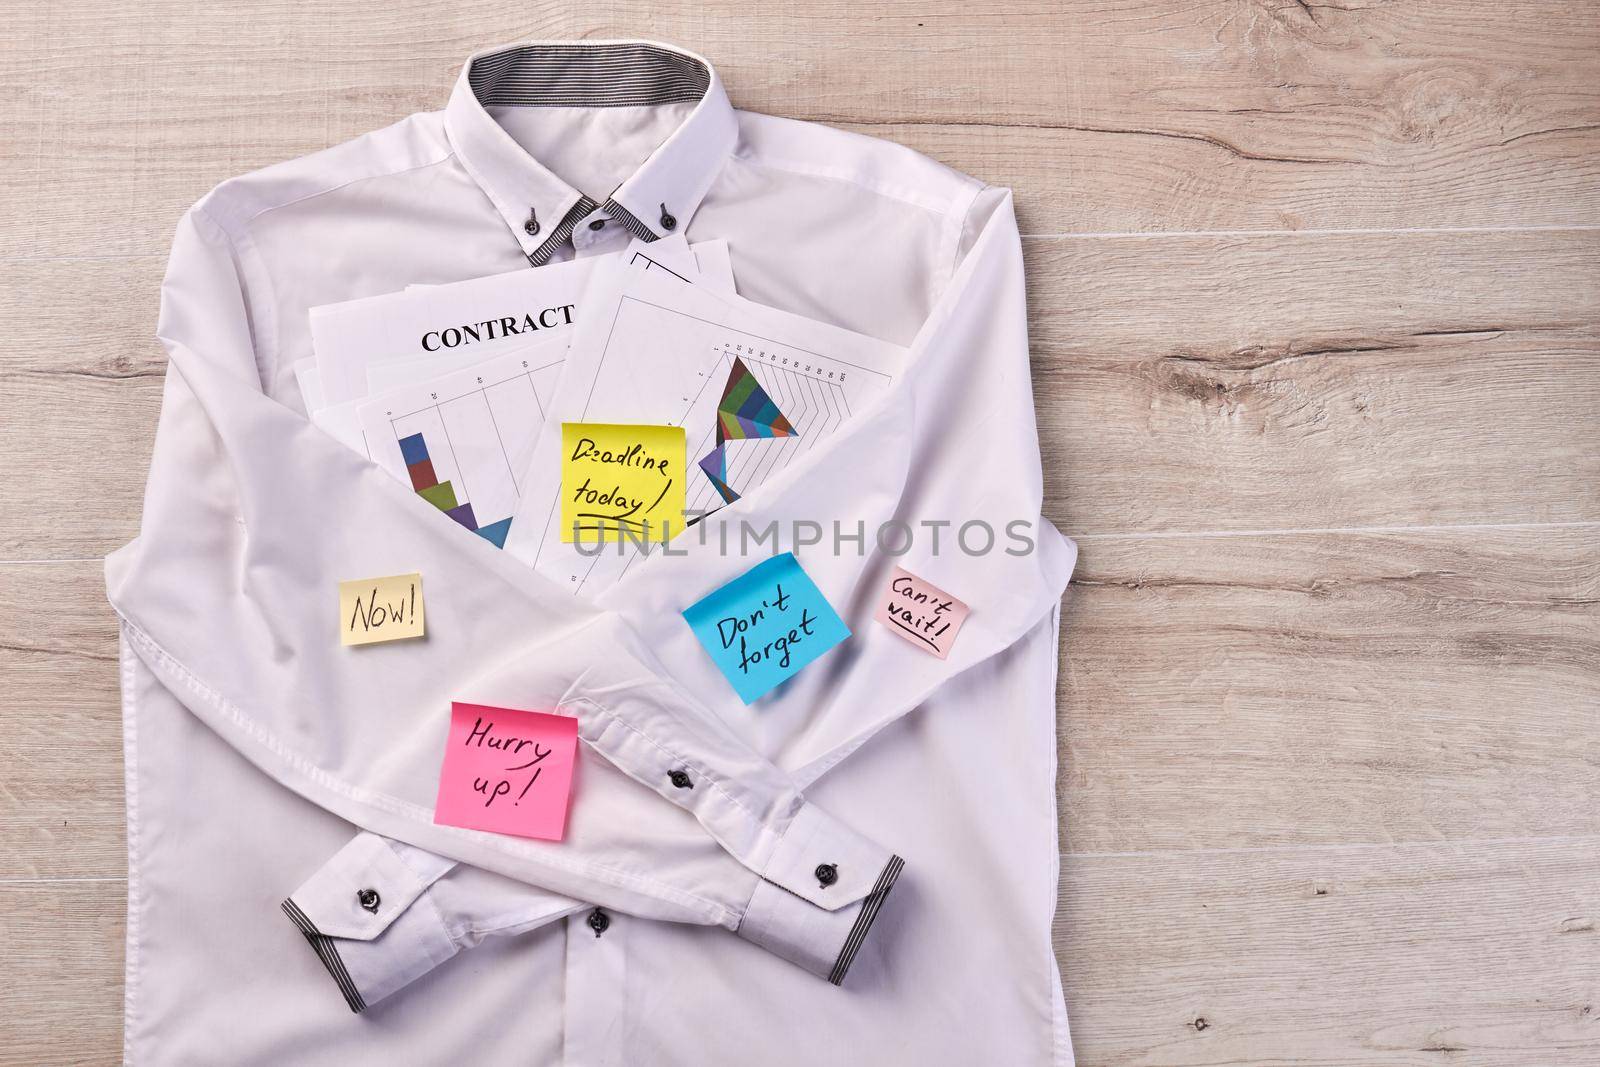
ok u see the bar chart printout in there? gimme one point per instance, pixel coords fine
(463, 440)
(443, 495)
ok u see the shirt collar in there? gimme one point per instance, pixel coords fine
(542, 210)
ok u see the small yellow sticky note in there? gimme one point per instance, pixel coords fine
(380, 609)
(621, 481)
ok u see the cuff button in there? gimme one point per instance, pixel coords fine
(369, 899)
(680, 779)
(827, 874)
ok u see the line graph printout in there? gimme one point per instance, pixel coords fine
(462, 441)
(754, 388)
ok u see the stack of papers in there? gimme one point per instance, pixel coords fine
(460, 391)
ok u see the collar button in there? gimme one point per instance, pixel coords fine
(532, 225)
(598, 224)
(668, 222)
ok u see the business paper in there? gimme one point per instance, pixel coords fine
(921, 612)
(461, 435)
(380, 609)
(469, 319)
(309, 379)
(754, 389)
(462, 441)
(507, 771)
(473, 319)
(621, 480)
(707, 261)
(765, 625)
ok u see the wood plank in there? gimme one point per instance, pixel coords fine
(1108, 116)
(61, 795)
(1182, 383)
(1226, 692)
(83, 375)
(1390, 956)
(1089, 180)
(1215, 692)
(1337, 380)
(61, 973)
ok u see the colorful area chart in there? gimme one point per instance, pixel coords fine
(442, 495)
(745, 412)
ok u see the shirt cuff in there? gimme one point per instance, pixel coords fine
(356, 912)
(819, 894)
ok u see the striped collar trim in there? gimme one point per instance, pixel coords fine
(542, 210)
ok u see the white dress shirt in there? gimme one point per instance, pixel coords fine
(675, 923)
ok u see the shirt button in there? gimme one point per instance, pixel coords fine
(598, 224)
(680, 779)
(369, 899)
(827, 874)
(532, 225)
(599, 922)
(667, 221)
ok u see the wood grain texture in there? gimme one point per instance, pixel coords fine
(61, 973)
(1328, 380)
(61, 792)
(1406, 956)
(1114, 115)
(1245, 692)
(1329, 676)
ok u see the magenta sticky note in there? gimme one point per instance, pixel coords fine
(921, 612)
(508, 771)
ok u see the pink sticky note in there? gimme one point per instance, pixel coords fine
(921, 612)
(507, 771)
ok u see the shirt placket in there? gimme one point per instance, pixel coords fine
(596, 995)
(597, 234)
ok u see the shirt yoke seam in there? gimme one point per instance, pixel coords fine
(946, 209)
(225, 223)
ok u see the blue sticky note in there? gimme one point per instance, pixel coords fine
(766, 624)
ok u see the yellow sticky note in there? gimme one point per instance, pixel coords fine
(380, 609)
(621, 481)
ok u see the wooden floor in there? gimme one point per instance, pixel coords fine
(1316, 314)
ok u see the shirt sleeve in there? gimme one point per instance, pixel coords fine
(252, 517)
(381, 914)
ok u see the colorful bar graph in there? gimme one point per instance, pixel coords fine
(442, 495)
(422, 476)
(496, 532)
(413, 449)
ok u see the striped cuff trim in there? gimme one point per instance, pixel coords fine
(562, 233)
(323, 946)
(869, 913)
